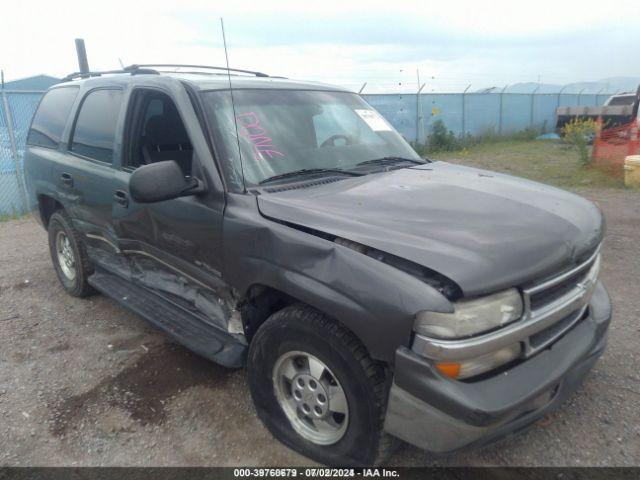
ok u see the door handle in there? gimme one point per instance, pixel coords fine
(121, 197)
(67, 179)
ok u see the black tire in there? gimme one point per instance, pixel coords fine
(301, 328)
(78, 286)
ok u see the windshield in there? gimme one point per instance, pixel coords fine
(621, 100)
(283, 131)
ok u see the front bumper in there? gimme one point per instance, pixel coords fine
(442, 415)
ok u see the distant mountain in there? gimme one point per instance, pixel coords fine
(529, 87)
(606, 85)
(622, 84)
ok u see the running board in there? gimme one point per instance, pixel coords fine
(203, 338)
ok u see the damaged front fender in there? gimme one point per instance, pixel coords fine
(373, 299)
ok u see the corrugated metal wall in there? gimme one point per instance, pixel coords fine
(475, 113)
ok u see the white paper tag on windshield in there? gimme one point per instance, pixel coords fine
(375, 121)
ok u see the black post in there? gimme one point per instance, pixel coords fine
(83, 63)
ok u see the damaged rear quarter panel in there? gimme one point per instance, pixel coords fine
(374, 300)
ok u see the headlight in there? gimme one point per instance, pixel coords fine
(471, 317)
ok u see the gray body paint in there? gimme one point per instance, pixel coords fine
(485, 231)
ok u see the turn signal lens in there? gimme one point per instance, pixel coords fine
(449, 369)
(481, 364)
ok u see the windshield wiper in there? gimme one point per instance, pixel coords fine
(391, 161)
(309, 171)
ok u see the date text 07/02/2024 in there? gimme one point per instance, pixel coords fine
(315, 472)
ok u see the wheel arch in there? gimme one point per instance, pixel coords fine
(262, 301)
(47, 206)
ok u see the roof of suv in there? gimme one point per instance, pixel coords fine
(211, 81)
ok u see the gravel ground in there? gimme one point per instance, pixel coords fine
(84, 382)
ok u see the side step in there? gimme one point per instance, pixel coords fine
(205, 339)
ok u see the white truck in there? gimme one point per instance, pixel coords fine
(617, 110)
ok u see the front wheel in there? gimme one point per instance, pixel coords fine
(317, 390)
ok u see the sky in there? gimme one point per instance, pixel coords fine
(451, 45)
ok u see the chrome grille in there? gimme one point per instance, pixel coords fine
(559, 303)
(550, 334)
(540, 299)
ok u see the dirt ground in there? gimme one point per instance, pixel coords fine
(84, 382)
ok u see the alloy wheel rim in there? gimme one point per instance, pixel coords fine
(311, 397)
(66, 258)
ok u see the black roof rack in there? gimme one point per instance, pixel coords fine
(207, 67)
(132, 69)
(136, 69)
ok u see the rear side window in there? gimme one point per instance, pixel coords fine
(51, 117)
(95, 130)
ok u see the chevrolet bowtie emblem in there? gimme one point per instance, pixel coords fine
(584, 286)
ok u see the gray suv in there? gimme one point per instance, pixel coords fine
(286, 227)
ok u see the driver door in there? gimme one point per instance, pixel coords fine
(173, 246)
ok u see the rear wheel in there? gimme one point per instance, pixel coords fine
(69, 255)
(317, 390)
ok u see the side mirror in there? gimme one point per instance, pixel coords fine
(161, 181)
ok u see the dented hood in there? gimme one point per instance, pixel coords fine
(483, 230)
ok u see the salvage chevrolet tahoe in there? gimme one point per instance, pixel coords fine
(286, 227)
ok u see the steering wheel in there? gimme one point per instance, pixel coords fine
(331, 141)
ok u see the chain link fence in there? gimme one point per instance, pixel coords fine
(16, 110)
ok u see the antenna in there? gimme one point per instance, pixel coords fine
(233, 105)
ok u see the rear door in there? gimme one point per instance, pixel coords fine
(44, 156)
(87, 173)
